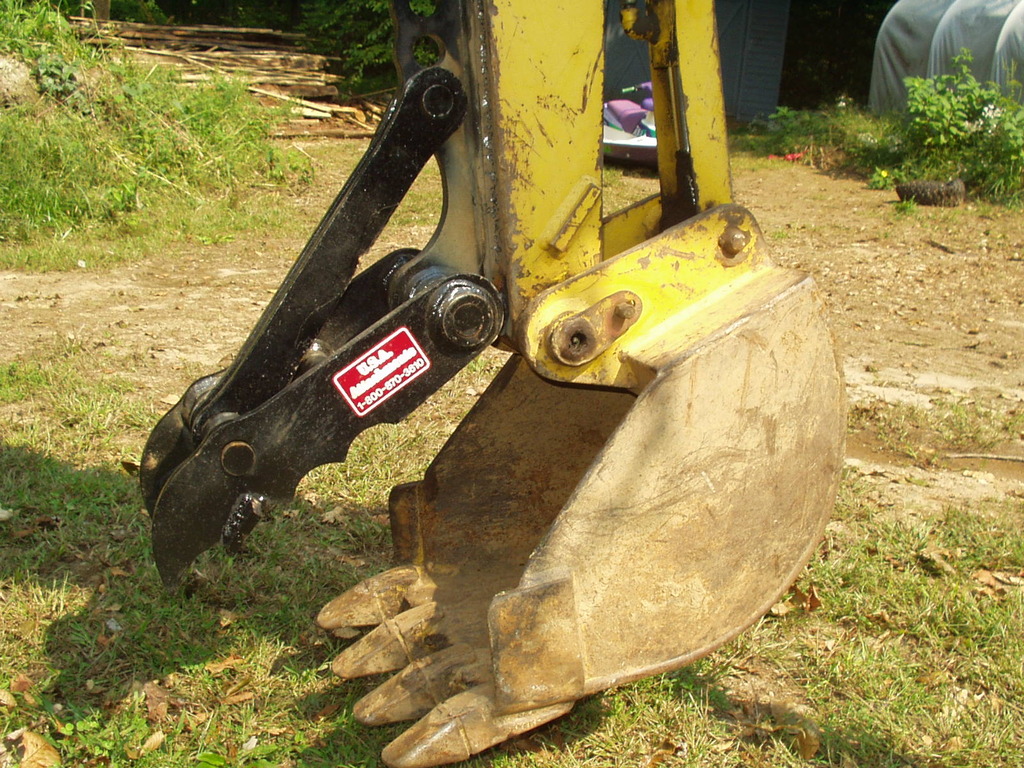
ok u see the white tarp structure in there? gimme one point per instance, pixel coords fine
(920, 38)
(1008, 64)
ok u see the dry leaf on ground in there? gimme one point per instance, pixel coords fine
(215, 667)
(21, 683)
(667, 749)
(997, 583)
(327, 711)
(936, 561)
(157, 702)
(798, 600)
(39, 753)
(334, 515)
(238, 698)
(794, 720)
(154, 742)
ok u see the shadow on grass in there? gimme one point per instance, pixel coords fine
(76, 557)
(89, 624)
(762, 723)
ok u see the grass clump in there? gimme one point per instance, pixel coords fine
(911, 622)
(109, 140)
(954, 127)
(926, 434)
(837, 136)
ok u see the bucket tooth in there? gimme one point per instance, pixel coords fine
(423, 685)
(377, 599)
(393, 644)
(460, 728)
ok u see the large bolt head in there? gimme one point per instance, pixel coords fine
(438, 101)
(466, 314)
(237, 458)
(732, 242)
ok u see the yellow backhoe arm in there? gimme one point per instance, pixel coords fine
(661, 450)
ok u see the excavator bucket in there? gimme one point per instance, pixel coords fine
(567, 539)
(650, 470)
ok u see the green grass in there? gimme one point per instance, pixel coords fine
(111, 149)
(925, 435)
(943, 655)
(182, 222)
(905, 662)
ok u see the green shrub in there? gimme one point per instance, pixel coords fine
(58, 79)
(958, 127)
(359, 33)
(954, 127)
(110, 138)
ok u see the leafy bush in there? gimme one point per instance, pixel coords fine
(954, 127)
(58, 79)
(109, 138)
(958, 127)
(360, 34)
(839, 136)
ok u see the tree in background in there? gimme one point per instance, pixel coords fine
(829, 45)
(829, 48)
(358, 33)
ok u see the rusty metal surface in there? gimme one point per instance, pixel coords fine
(567, 539)
(579, 338)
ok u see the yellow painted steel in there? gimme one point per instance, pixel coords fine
(669, 273)
(687, 81)
(563, 257)
(547, 98)
(631, 226)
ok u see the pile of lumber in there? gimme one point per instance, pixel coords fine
(257, 56)
(357, 118)
(201, 37)
(272, 63)
(300, 71)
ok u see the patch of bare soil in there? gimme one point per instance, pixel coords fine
(175, 315)
(926, 306)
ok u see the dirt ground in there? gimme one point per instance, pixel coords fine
(927, 306)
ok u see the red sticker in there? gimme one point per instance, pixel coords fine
(381, 372)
